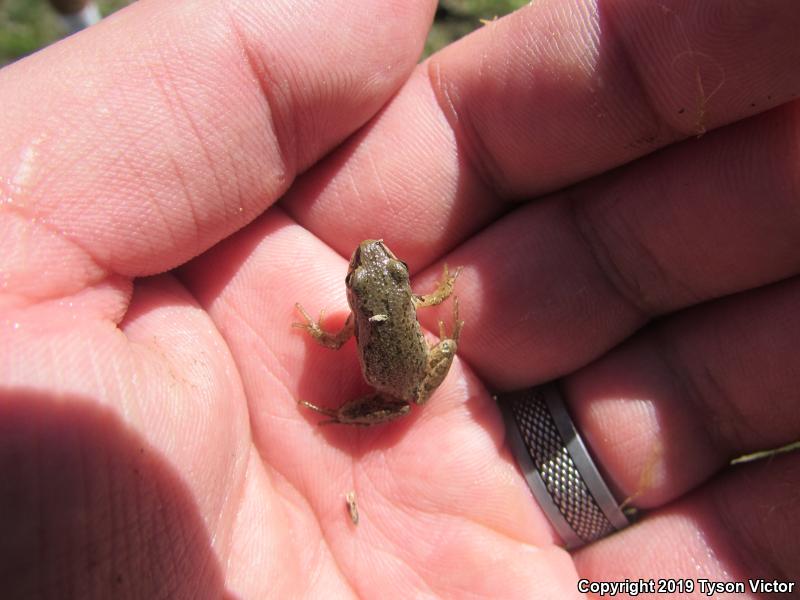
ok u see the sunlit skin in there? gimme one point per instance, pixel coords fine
(174, 179)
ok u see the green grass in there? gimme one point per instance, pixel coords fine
(456, 18)
(27, 25)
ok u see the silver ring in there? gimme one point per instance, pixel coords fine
(558, 467)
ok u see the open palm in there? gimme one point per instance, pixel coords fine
(209, 164)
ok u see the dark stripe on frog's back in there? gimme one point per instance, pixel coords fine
(404, 356)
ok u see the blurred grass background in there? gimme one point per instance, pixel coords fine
(27, 25)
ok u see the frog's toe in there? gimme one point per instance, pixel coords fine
(325, 411)
(452, 276)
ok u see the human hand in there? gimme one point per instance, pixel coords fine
(153, 423)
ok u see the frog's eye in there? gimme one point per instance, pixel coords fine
(355, 279)
(398, 270)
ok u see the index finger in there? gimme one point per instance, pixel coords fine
(139, 143)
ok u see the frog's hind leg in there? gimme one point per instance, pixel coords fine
(440, 357)
(367, 410)
(443, 290)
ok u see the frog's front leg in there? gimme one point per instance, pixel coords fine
(443, 289)
(329, 340)
(440, 357)
(368, 410)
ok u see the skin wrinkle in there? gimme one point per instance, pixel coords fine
(322, 547)
(100, 386)
(335, 556)
(158, 80)
(187, 194)
(412, 511)
(625, 61)
(284, 125)
(480, 160)
(376, 173)
(742, 543)
(231, 491)
(221, 185)
(50, 176)
(634, 291)
(685, 387)
(233, 310)
(200, 139)
(588, 236)
(713, 383)
(236, 179)
(791, 498)
(325, 541)
(151, 200)
(124, 158)
(174, 101)
(271, 471)
(130, 411)
(70, 163)
(480, 523)
(340, 202)
(589, 34)
(79, 286)
(716, 396)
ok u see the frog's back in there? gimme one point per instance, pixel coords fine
(392, 350)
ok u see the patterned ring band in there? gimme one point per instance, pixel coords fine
(558, 467)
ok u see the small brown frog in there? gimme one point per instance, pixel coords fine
(395, 358)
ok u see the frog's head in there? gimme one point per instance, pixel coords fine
(371, 264)
(370, 253)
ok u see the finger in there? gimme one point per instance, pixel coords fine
(401, 180)
(541, 99)
(611, 82)
(743, 525)
(181, 122)
(574, 274)
(669, 408)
